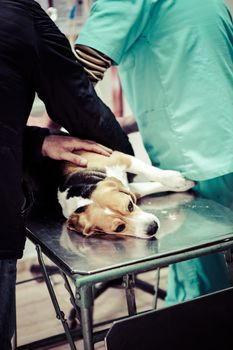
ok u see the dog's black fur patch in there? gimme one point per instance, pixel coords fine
(81, 209)
(81, 183)
(81, 190)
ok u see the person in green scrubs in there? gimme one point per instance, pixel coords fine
(175, 59)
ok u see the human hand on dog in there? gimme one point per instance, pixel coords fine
(62, 147)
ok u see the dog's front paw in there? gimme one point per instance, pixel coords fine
(175, 181)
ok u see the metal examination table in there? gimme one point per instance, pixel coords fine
(190, 227)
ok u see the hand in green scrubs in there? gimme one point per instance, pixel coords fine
(175, 60)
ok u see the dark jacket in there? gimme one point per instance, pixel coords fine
(35, 57)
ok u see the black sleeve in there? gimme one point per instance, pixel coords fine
(32, 144)
(68, 94)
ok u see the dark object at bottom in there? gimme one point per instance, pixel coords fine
(203, 323)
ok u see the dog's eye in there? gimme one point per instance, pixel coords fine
(130, 207)
(120, 228)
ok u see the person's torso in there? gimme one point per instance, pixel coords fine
(178, 79)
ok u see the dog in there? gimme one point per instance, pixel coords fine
(171, 209)
(100, 200)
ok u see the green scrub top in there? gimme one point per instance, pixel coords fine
(175, 61)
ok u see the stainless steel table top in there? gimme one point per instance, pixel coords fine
(187, 223)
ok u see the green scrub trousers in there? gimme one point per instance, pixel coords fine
(192, 278)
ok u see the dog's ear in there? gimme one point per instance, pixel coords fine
(132, 195)
(87, 231)
(136, 195)
(118, 185)
(74, 224)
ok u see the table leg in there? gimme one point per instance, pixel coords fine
(129, 284)
(72, 297)
(156, 288)
(59, 313)
(84, 299)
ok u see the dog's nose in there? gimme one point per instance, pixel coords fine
(152, 228)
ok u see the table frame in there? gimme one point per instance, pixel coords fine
(83, 299)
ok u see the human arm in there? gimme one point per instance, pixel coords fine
(69, 96)
(38, 143)
(111, 30)
(109, 33)
(95, 65)
(128, 124)
(113, 26)
(63, 147)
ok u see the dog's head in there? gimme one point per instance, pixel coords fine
(110, 209)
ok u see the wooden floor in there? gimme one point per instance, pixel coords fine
(36, 317)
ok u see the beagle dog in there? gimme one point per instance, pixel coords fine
(99, 199)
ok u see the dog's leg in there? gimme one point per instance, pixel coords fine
(170, 179)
